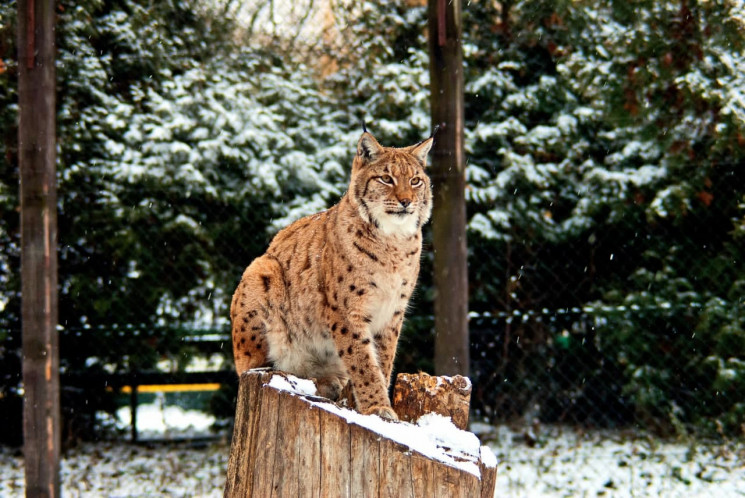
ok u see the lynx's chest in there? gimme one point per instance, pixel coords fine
(390, 296)
(371, 275)
(386, 302)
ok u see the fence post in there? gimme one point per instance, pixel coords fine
(449, 186)
(133, 402)
(38, 195)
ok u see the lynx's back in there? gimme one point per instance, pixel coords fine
(327, 300)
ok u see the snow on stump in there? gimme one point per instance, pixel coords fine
(289, 442)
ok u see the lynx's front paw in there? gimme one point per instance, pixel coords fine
(385, 412)
(329, 387)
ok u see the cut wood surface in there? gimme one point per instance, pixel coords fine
(417, 394)
(289, 442)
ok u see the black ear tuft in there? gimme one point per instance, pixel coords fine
(421, 150)
(364, 128)
(368, 147)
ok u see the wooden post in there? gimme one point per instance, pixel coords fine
(38, 194)
(449, 184)
(286, 443)
(133, 405)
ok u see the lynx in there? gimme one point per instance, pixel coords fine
(327, 299)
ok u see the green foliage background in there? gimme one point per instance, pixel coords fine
(605, 144)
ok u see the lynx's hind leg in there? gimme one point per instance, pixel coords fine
(254, 311)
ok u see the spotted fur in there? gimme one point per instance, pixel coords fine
(328, 298)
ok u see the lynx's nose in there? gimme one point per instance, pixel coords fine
(405, 202)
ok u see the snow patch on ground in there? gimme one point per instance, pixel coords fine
(161, 421)
(562, 462)
(125, 470)
(571, 462)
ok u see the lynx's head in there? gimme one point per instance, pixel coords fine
(389, 185)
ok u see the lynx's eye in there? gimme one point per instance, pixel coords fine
(385, 180)
(416, 181)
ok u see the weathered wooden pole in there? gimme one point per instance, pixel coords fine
(38, 194)
(448, 172)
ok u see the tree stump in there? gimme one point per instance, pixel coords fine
(417, 394)
(289, 442)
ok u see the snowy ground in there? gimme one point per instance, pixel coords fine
(563, 462)
(566, 462)
(161, 421)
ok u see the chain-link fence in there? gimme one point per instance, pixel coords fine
(606, 256)
(632, 326)
(636, 324)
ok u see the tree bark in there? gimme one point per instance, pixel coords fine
(287, 444)
(417, 394)
(37, 155)
(448, 174)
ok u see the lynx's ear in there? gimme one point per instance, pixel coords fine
(368, 147)
(421, 150)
